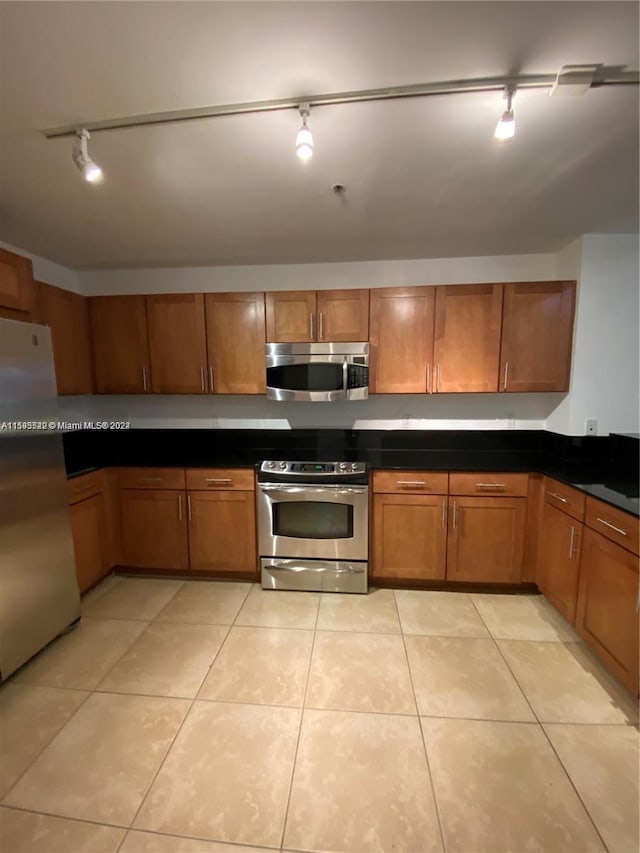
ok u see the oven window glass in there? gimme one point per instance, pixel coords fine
(313, 520)
(322, 376)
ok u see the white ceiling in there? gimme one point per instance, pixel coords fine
(424, 178)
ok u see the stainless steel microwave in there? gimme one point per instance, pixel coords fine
(318, 372)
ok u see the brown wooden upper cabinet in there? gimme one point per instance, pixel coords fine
(178, 344)
(67, 315)
(306, 316)
(17, 291)
(466, 349)
(537, 332)
(401, 337)
(235, 342)
(120, 344)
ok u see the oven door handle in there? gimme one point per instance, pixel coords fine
(314, 490)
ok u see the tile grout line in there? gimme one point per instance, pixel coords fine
(302, 710)
(424, 743)
(66, 817)
(543, 731)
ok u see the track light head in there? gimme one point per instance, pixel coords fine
(304, 139)
(90, 171)
(506, 127)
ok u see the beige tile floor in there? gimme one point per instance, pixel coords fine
(204, 717)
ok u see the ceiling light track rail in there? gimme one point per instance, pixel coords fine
(417, 90)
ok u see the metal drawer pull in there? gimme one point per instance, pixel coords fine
(218, 480)
(189, 507)
(411, 482)
(491, 485)
(149, 479)
(612, 526)
(559, 497)
(179, 507)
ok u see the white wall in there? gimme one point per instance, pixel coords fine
(321, 276)
(605, 379)
(48, 271)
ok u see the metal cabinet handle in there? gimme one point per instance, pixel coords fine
(571, 538)
(491, 485)
(320, 326)
(455, 513)
(144, 378)
(311, 325)
(506, 375)
(411, 483)
(218, 480)
(444, 514)
(179, 507)
(559, 497)
(612, 526)
(211, 378)
(428, 378)
(437, 377)
(149, 479)
(189, 507)
(202, 378)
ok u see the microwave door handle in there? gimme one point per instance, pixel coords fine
(345, 376)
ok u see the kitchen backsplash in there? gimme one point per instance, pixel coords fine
(398, 412)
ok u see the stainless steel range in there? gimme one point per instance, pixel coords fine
(313, 528)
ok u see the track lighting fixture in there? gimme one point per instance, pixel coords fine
(90, 171)
(304, 139)
(506, 127)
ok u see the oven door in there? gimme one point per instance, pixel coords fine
(317, 377)
(322, 522)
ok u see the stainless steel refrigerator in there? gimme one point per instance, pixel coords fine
(39, 595)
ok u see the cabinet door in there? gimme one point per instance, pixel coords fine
(291, 316)
(607, 615)
(537, 332)
(177, 343)
(120, 344)
(343, 315)
(90, 540)
(67, 315)
(486, 539)
(409, 536)
(16, 282)
(401, 335)
(466, 355)
(235, 341)
(559, 560)
(222, 531)
(154, 529)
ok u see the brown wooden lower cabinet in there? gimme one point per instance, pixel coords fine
(154, 528)
(409, 536)
(90, 540)
(222, 531)
(559, 560)
(486, 539)
(607, 614)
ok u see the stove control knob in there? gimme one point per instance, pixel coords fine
(354, 466)
(342, 466)
(282, 465)
(271, 464)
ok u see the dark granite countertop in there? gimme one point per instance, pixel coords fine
(605, 467)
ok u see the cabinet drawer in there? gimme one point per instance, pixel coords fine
(565, 498)
(151, 478)
(85, 486)
(401, 482)
(239, 479)
(613, 523)
(489, 483)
